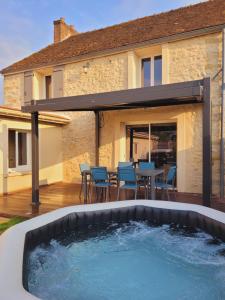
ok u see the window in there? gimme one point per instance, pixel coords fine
(48, 87)
(18, 150)
(146, 71)
(152, 71)
(158, 70)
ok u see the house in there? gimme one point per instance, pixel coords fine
(181, 45)
(15, 149)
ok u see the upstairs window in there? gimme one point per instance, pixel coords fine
(48, 87)
(151, 71)
(19, 150)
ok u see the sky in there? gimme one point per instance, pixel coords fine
(26, 26)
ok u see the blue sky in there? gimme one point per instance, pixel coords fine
(26, 25)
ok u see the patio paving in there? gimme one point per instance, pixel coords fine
(65, 194)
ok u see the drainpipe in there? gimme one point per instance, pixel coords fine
(222, 120)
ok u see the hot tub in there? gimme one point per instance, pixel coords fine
(114, 242)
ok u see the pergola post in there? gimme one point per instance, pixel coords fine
(207, 147)
(35, 158)
(97, 137)
(131, 142)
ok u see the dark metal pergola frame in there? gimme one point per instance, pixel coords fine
(191, 92)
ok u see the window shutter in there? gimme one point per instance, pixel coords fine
(58, 81)
(28, 86)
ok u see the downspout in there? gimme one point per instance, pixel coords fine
(222, 120)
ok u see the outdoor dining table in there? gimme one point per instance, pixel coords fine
(150, 175)
(147, 173)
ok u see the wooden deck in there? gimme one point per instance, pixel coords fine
(64, 194)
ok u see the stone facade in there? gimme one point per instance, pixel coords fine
(184, 60)
(194, 59)
(93, 76)
(14, 90)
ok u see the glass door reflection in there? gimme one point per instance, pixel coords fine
(152, 142)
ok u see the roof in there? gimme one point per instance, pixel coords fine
(186, 19)
(14, 113)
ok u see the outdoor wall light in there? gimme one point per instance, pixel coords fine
(86, 67)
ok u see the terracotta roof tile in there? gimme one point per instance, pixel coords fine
(198, 16)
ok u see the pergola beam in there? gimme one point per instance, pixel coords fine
(148, 96)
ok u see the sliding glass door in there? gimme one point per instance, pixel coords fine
(138, 142)
(152, 142)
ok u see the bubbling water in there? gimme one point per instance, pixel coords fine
(131, 261)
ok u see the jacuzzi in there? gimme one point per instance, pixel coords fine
(20, 240)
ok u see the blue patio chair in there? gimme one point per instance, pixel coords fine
(129, 180)
(122, 164)
(100, 179)
(84, 167)
(168, 183)
(143, 165)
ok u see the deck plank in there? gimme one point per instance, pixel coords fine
(64, 194)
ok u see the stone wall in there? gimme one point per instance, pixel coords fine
(182, 61)
(14, 90)
(93, 76)
(51, 167)
(194, 59)
(186, 60)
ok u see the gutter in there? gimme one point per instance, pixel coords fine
(222, 120)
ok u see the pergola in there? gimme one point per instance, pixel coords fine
(191, 92)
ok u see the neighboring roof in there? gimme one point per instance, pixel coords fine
(14, 113)
(186, 19)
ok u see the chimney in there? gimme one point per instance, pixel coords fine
(62, 30)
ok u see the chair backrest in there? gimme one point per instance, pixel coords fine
(171, 175)
(84, 167)
(146, 165)
(127, 174)
(124, 164)
(99, 173)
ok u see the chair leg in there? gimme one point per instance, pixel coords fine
(91, 193)
(107, 194)
(96, 194)
(146, 189)
(168, 196)
(81, 187)
(175, 195)
(88, 188)
(135, 195)
(118, 193)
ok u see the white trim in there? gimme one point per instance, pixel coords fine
(12, 241)
(21, 168)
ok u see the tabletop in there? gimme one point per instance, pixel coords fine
(141, 172)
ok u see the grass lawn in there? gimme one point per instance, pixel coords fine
(11, 222)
